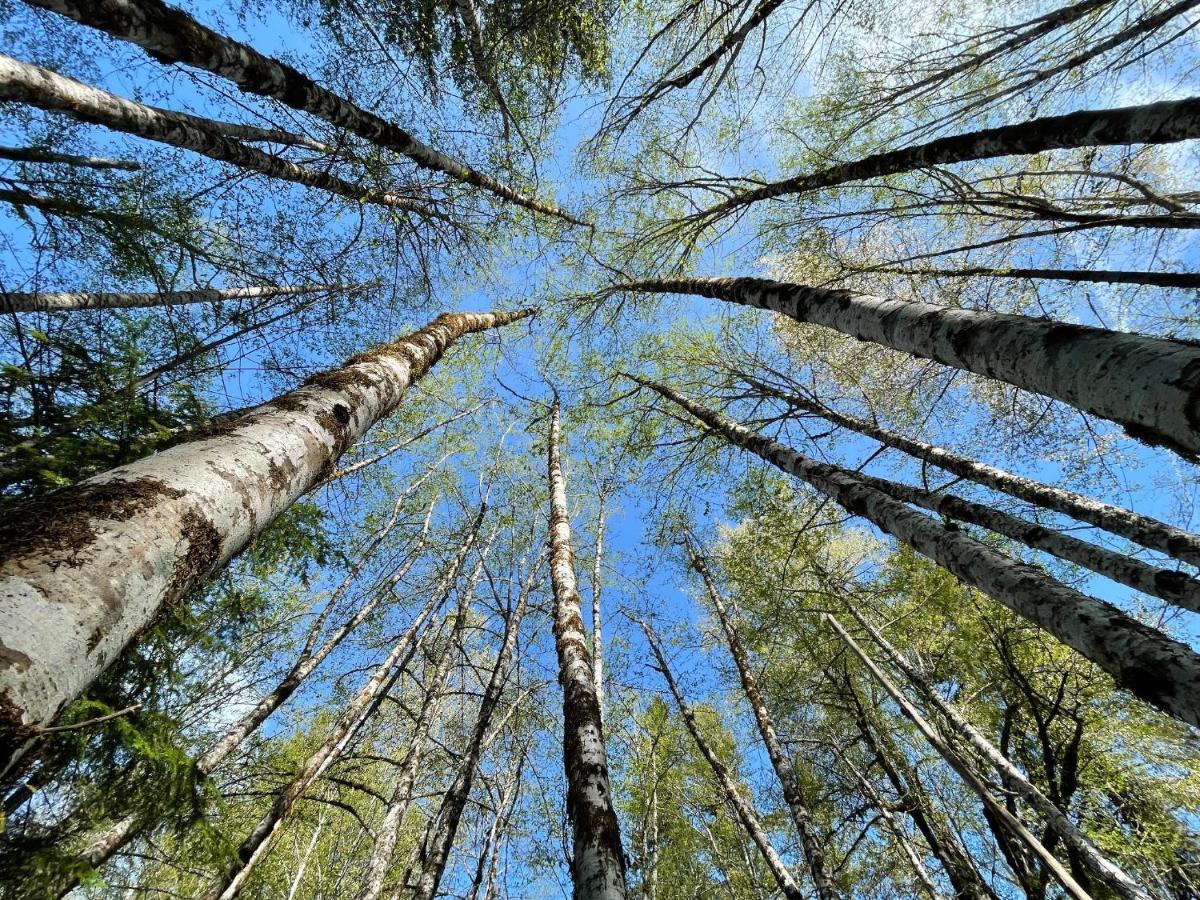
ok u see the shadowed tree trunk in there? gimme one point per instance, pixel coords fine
(172, 36)
(1144, 661)
(37, 155)
(43, 301)
(754, 829)
(810, 840)
(597, 862)
(1014, 779)
(85, 569)
(1144, 530)
(1148, 385)
(48, 90)
(1095, 276)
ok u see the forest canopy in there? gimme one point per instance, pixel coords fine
(527, 448)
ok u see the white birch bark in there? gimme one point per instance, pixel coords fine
(357, 711)
(1014, 779)
(1148, 385)
(48, 90)
(597, 612)
(302, 865)
(489, 856)
(598, 862)
(171, 35)
(959, 765)
(45, 301)
(1141, 659)
(1144, 530)
(36, 155)
(793, 793)
(84, 570)
(783, 878)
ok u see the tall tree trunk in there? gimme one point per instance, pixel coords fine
(959, 765)
(793, 792)
(172, 36)
(754, 829)
(597, 612)
(1148, 385)
(1144, 530)
(435, 852)
(1095, 276)
(1165, 122)
(1014, 780)
(37, 155)
(597, 862)
(230, 883)
(49, 90)
(43, 301)
(302, 865)
(1144, 661)
(84, 570)
(489, 855)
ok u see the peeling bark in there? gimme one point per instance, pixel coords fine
(755, 831)
(1014, 780)
(793, 793)
(1141, 659)
(48, 90)
(1144, 530)
(172, 36)
(84, 570)
(43, 301)
(1148, 385)
(1165, 122)
(598, 862)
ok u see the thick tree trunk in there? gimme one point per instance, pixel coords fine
(172, 36)
(48, 90)
(1174, 587)
(1144, 530)
(1094, 276)
(793, 792)
(1165, 122)
(43, 301)
(84, 570)
(1155, 668)
(959, 765)
(598, 862)
(435, 852)
(1014, 780)
(36, 155)
(1148, 385)
(357, 711)
(754, 829)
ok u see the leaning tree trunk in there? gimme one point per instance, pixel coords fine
(597, 862)
(357, 711)
(1144, 530)
(172, 36)
(1014, 780)
(1092, 276)
(793, 792)
(1165, 122)
(43, 301)
(48, 90)
(435, 852)
(959, 765)
(1150, 386)
(1144, 661)
(37, 155)
(86, 569)
(754, 829)
(597, 612)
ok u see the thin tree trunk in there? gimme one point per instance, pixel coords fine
(43, 301)
(1174, 587)
(490, 852)
(303, 864)
(468, 15)
(359, 709)
(255, 133)
(1014, 780)
(597, 612)
(959, 765)
(598, 862)
(172, 36)
(49, 90)
(1164, 122)
(1148, 385)
(793, 793)
(1097, 276)
(435, 852)
(783, 878)
(85, 569)
(1152, 666)
(1144, 530)
(36, 155)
